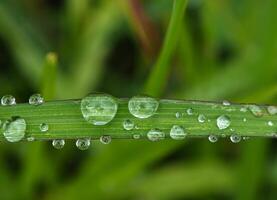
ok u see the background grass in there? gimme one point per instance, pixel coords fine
(225, 49)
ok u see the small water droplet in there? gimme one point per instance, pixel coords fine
(213, 138)
(272, 110)
(99, 109)
(58, 143)
(201, 118)
(270, 123)
(223, 122)
(226, 103)
(136, 136)
(143, 106)
(178, 115)
(244, 119)
(105, 139)
(177, 132)
(8, 100)
(190, 111)
(36, 99)
(128, 125)
(155, 135)
(14, 130)
(256, 110)
(235, 138)
(43, 127)
(243, 109)
(30, 139)
(83, 144)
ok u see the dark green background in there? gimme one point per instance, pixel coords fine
(226, 49)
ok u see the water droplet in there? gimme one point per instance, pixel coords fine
(36, 99)
(30, 139)
(270, 123)
(58, 143)
(155, 135)
(43, 127)
(128, 125)
(190, 111)
(83, 144)
(223, 122)
(178, 115)
(143, 106)
(99, 109)
(235, 138)
(243, 109)
(105, 139)
(136, 136)
(177, 132)
(256, 110)
(8, 100)
(272, 110)
(201, 118)
(213, 138)
(244, 119)
(226, 103)
(14, 130)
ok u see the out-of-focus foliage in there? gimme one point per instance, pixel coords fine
(226, 49)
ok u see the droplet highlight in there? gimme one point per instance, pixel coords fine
(143, 106)
(99, 109)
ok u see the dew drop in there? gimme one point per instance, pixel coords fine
(190, 111)
(30, 139)
(201, 118)
(8, 100)
(14, 130)
(178, 115)
(272, 110)
(43, 127)
(105, 139)
(270, 123)
(143, 106)
(83, 144)
(226, 103)
(99, 109)
(36, 99)
(223, 122)
(256, 110)
(155, 135)
(136, 136)
(213, 138)
(58, 143)
(128, 125)
(235, 138)
(244, 119)
(177, 132)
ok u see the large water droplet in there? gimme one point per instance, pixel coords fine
(105, 139)
(272, 110)
(58, 143)
(177, 132)
(8, 100)
(14, 130)
(155, 135)
(83, 144)
(213, 138)
(43, 127)
(128, 125)
(201, 118)
(143, 106)
(256, 110)
(223, 122)
(99, 109)
(36, 99)
(235, 138)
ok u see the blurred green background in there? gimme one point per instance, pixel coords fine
(226, 49)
